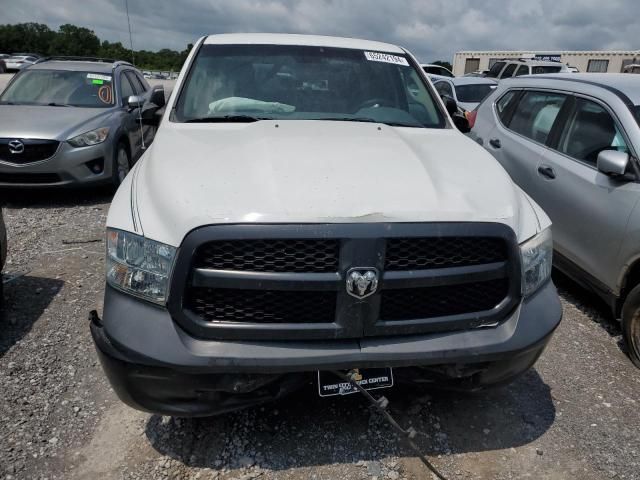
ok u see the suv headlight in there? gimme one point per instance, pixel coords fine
(139, 266)
(536, 255)
(93, 137)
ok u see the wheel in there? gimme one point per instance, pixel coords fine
(121, 164)
(631, 324)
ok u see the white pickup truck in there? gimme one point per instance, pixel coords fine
(308, 207)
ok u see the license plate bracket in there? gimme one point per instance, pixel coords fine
(329, 384)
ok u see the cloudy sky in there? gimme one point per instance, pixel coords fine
(431, 29)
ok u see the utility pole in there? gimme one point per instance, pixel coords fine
(126, 6)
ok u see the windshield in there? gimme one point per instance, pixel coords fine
(473, 93)
(60, 88)
(305, 83)
(438, 71)
(542, 69)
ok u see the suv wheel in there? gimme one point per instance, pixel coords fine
(121, 164)
(631, 324)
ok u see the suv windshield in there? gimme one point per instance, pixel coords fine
(542, 69)
(473, 93)
(60, 88)
(249, 82)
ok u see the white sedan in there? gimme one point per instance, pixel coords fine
(468, 92)
(18, 62)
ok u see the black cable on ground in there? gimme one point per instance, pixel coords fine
(381, 405)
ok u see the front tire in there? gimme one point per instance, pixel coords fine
(121, 164)
(631, 325)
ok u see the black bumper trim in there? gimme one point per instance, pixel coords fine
(138, 332)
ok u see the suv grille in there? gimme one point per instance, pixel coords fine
(421, 253)
(34, 150)
(271, 255)
(278, 282)
(413, 303)
(264, 306)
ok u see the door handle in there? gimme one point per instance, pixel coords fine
(547, 172)
(495, 143)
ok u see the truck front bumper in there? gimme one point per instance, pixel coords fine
(155, 366)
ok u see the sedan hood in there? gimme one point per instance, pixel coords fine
(53, 123)
(316, 172)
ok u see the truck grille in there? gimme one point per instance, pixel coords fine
(270, 255)
(420, 253)
(414, 303)
(34, 150)
(278, 282)
(264, 306)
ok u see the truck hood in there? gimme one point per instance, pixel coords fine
(316, 172)
(54, 123)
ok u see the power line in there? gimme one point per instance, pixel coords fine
(126, 6)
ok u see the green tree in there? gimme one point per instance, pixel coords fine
(26, 37)
(79, 41)
(72, 40)
(116, 50)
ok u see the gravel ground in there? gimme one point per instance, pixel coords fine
(575, 415)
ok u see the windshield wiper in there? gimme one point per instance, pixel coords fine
(226, 119)
(347, 119)
(54, 104)
(370, 120)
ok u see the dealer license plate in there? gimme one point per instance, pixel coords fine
(329, 384)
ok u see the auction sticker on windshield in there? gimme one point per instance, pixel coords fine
(97, 76)
(386, 58)
(329, 384)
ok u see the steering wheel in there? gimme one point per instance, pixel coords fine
(373, 102)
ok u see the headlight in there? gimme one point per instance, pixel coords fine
(93, 137)
(536, 254)
(139, 266)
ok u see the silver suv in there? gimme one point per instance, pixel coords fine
(67, 121)
(522, 66)
(572, 143)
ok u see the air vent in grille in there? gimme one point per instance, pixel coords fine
(443, 252)
(270, 255)
(417, 303)
(33, 150)
(262, 306)
(33, 178)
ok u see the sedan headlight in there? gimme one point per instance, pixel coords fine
(94, 137)
(139, 266)
(536, 255)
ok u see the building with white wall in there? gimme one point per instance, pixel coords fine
(597, 61)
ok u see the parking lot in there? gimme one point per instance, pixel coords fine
(575, 415)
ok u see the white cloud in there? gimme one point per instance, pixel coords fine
(432, 29)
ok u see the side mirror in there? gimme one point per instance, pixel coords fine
(461, 123)
(450, 104)
(157, 96)
(135, 101)
(613, 162)
(150, 115)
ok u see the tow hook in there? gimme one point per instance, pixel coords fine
(94, 318)
(381, 404)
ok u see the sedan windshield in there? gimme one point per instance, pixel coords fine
(473, 93)
(255, 82)
(60, 88)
